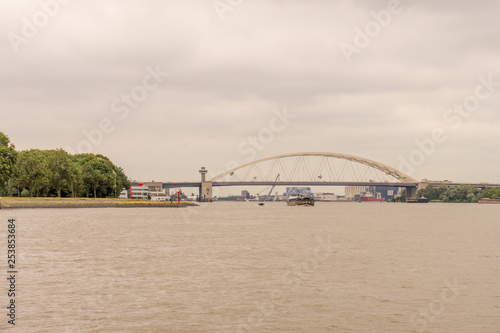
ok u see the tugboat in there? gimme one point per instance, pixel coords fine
(300, 201)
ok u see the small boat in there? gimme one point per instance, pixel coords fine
(300, 201)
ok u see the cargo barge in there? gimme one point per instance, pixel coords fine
(419, 200)
(489, 201)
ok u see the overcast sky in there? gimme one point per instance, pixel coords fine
(350, 80)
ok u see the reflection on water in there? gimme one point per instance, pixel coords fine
(336, 267)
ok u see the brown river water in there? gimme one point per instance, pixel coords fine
(238, 267)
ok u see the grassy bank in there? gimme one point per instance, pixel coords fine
(9, 202)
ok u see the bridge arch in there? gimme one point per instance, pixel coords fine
(390, 171)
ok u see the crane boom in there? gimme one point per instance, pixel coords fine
(272, 187)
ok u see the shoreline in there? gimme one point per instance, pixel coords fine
(33, 203)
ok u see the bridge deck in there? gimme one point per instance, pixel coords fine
(281, 183)
(482, 185)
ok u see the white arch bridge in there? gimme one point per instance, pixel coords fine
(305, 169)
(314, 169)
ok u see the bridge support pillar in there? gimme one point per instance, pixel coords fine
(205, 188)
(411, 192)
(206, 192)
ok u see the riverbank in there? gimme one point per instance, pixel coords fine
(14, 203)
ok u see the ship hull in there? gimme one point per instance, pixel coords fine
(301, 202)
(370, 199)
(489, 201)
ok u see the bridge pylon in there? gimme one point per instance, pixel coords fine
(411, 192)
(205, 190)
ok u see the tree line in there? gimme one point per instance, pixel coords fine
(56, 173)
(462, 193)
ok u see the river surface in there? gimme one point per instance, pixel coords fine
(238, 267)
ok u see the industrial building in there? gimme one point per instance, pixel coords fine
(147, 191)
(300, 191)
(382, 192)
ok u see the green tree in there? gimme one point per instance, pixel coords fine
(93, 174)
(13, 186)
(462, 193)
(101, 178)
(401, 198)
(33, 170)
(75, 186)
(432, 193)
(62, 170)
(8, 158)
(490, 192)
(123, 181)
(55, 172)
